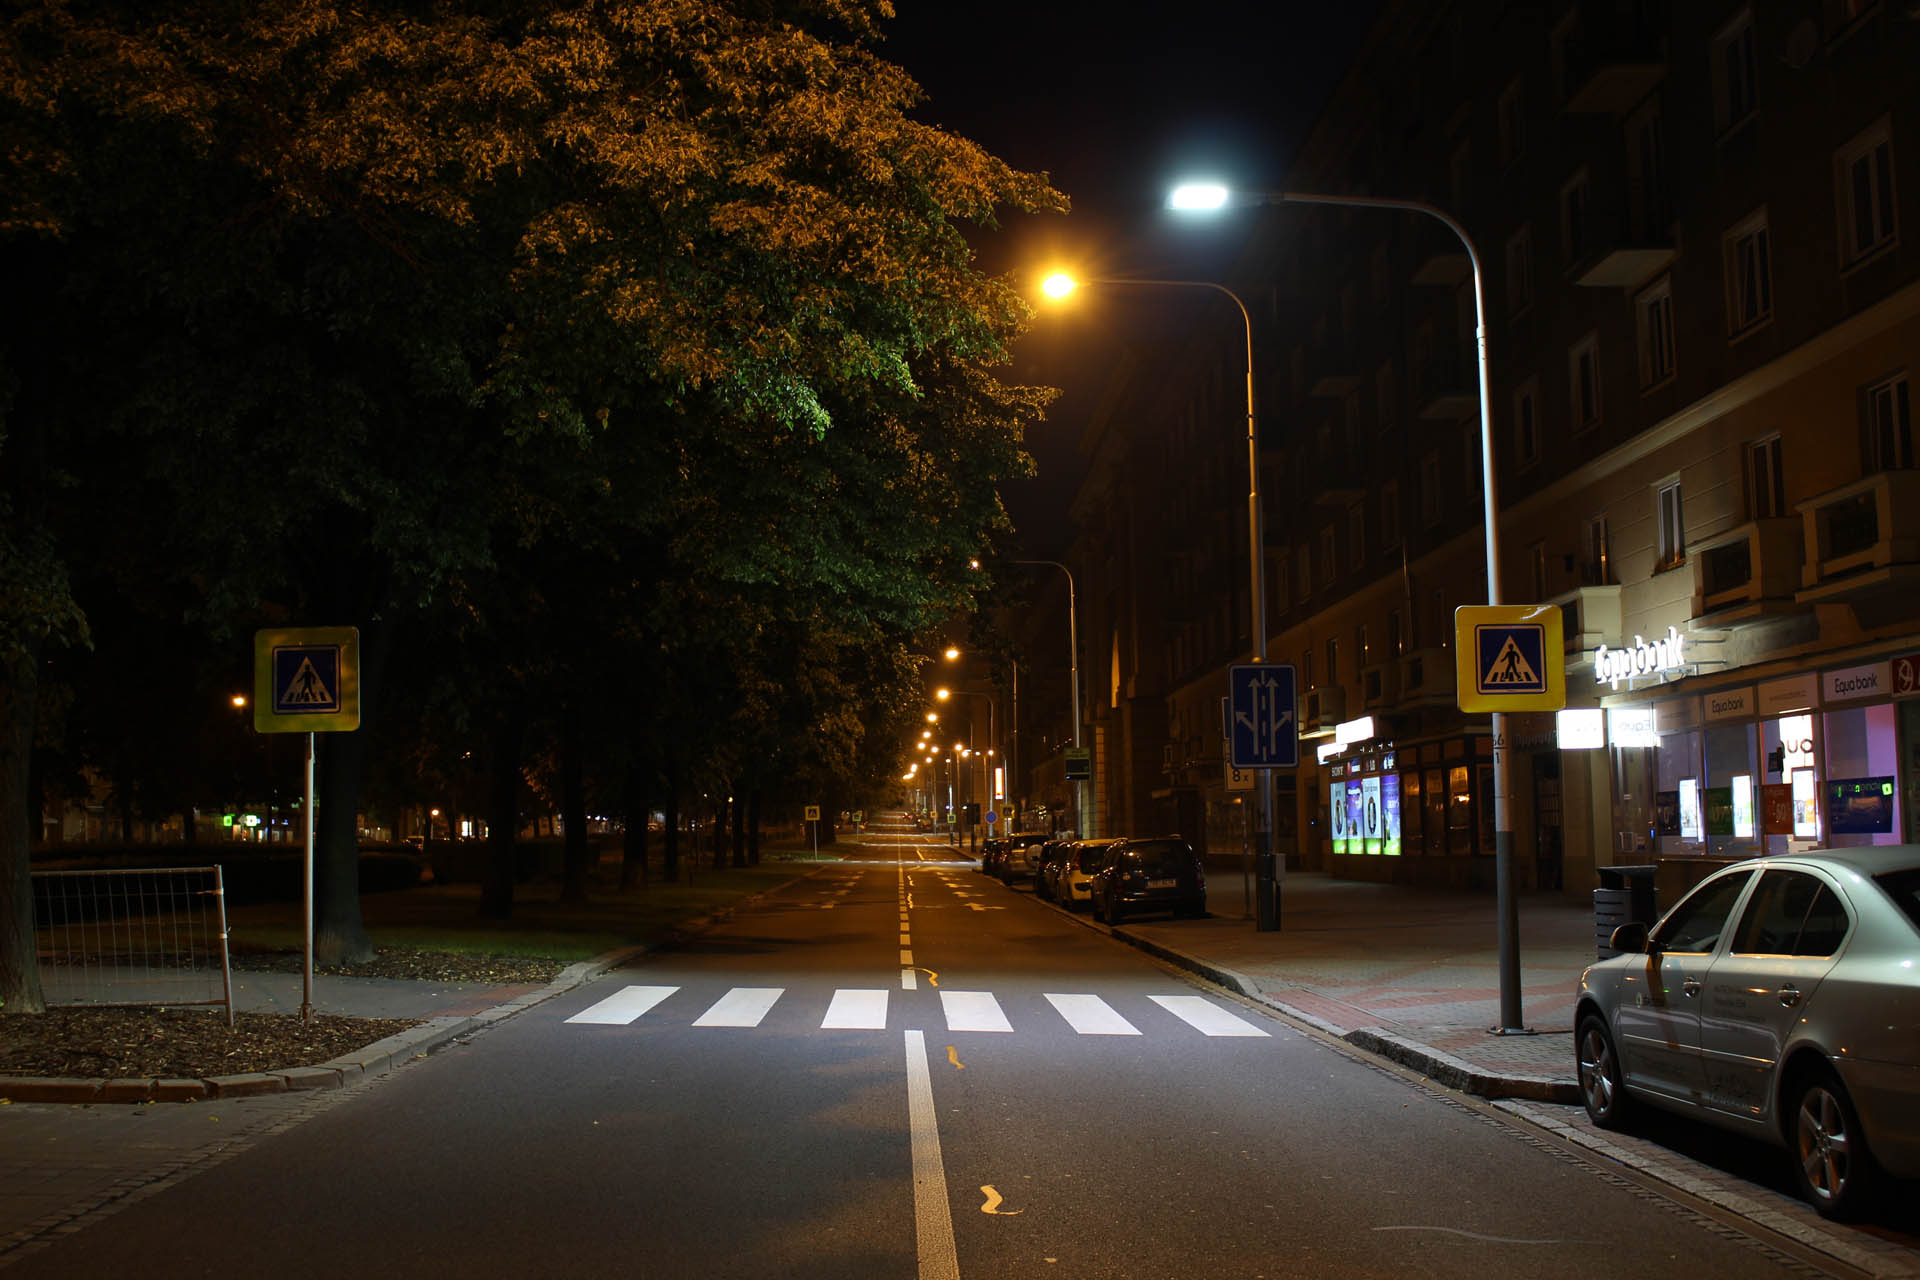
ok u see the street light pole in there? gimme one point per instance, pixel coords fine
(1506, 906)
(1073, 640)
(1269, 874)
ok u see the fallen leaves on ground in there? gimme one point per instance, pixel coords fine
(152, 1043)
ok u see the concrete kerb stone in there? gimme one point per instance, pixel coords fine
(1429, 1062)
(396, 1049)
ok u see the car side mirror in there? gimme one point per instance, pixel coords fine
(1630, 937)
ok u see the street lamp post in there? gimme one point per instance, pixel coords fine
(1268, 874)
(1208, 196)
(1073, 641)
(943, 694)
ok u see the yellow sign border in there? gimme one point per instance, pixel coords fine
(346, 719)
(1467, 618)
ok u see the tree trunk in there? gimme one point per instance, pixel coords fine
(503, 816)
(19, 960)
(720, 836)
(339, 936)
(753, 827)
(670, 860)
(579, 859)
(633, 848)
(739, 831)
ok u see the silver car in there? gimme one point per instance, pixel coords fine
(1781, 999)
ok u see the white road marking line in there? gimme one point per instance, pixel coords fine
(623, 1006)
(740, 1007)
(1204, 1016)
(909, 981)
(857, 1009)
(973, 1011)
(932, 1212)
(1091, 1016)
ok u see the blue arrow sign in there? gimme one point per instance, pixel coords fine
(1263, 730)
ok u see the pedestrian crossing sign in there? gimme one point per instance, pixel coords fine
(306, 680)
(1509, 658)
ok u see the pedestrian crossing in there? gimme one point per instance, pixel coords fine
(870, 1008)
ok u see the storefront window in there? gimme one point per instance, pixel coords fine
(1676, 805)
(1435, 825)
(1861, 787)
(1729, 801)
(1459, 810)
(1789, 791)
(1410, 811)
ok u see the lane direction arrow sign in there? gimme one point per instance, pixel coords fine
(1263, 729)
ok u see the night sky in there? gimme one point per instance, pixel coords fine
(1115, 109)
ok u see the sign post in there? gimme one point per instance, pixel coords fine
(307, 680)
(813, 821)
(1263, 733)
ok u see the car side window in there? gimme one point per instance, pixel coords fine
(1791, 914)
(1697, 923)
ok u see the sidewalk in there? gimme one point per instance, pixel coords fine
(1412, 974)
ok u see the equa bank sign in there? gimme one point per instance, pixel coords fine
(1642, 658)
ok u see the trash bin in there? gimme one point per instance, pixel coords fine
(1625, 895)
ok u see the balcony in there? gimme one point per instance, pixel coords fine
(1339, 482)
(1426, 678)
(1446, 391)
(1589, 616)
(1634, 252)
(1323, 708)
(1863, 544)
(1613, 60)
(1380, 685)
(1747, 575)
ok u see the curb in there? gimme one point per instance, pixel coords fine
(382, 1055)
(1455, 1073)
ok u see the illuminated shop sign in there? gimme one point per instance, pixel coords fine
(1632, 727)
(1643, 658)
(1582, 729)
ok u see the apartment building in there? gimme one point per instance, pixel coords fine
(1702, 300)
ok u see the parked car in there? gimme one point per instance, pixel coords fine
(990, 850)
(1160, 874)
(1071, 876)
(1044, 864)
(1778, 999)
(1018, 861)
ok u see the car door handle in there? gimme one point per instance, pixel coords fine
(1691, 987)
(1789, 996)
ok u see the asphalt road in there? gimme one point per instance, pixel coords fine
(897, 1068)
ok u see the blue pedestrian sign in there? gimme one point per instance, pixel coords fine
(306, 680)
(1263, 731)
(1510, 658)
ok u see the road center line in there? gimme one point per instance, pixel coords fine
(932, 1212)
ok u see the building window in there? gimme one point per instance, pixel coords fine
(1306, 669)
(1520, 271)
(1357, 535)
(1583, 375)
(1573, 217)
(1865, 180)
(1510, 121)
(1333, 660)
(1360, 646)
(1673, 529)
(1328, 554)
(1749, 268)
(1736, 74)
(1460, 175)
(1526, 425)
(1390, 513)
(1766, 485)
(1599, 566)
(1653, 310)
(1397, 632)
(1651, 206)
(1890, 423)
(1304, 563)
(1537, 560)
(1430, 490)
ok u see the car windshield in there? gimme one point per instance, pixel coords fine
(1158, 857)
(1904, 888)
(1090, 858)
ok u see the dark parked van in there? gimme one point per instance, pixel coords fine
(1159, 874)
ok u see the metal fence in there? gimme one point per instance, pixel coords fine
(120, 938)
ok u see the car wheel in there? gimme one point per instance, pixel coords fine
(1831, 1162)
(1601, 1086)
